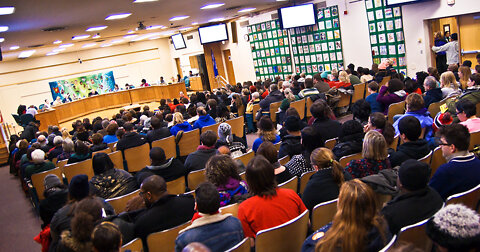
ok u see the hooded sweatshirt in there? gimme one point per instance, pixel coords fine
(185, 126)
(409, 150)
(387, 99)
(203, 121)
(170, 170)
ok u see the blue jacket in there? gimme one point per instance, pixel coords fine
(460, 174)
(219, 232)
(203, 121)
(259, 141)
(425, 122)
(185, 126)
(110, 139)
(374, 105)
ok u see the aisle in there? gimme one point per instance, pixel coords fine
(19, 223)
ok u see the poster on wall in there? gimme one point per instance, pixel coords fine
(386, 34)
(80, 87)
(318, 48)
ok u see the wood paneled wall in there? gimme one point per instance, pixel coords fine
(217, 52)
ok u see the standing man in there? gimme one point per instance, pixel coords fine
(451, 49)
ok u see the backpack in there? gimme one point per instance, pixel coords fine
(333, 97)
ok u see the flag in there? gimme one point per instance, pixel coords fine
(215, 70)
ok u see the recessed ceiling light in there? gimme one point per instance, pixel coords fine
(66, 45)
(144, 1)
(130, 36)
(96, 28)
(185, 28)
(153, 27)
(106, 45)
(89, 45)
(194, 23)
(146, 36)
(14, 47)
(51, 53)
(2, 39)
(58, 49)
(7, 10)
(212, 6)
(3, 28)
(118, 16)
(57, 41)
(26, 54)
(178, 18)
(78, 37)
(247, 10)
(96, 36)
(216, 20)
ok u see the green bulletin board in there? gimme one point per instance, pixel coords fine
(270, 50)
(318, 47)
(386, 34)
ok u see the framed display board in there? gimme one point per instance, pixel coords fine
(318, 48)
(270, 50)
(386, 34)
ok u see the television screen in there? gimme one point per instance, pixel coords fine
(213, 33)
(296, 16)
(178, 41)
(400, 2)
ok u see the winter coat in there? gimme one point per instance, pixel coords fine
(112, 183)
(157, 134)
(170, 170)
(198, 159)
(387, 99)
(291, 145)
(348, 145)
(203, 121)
(130, 140)
(185, 127)
(409, 150)
(272, 97)
(431, 96)
(231, 191)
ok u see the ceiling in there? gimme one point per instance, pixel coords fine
(73, 17)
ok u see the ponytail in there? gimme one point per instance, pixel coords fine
(337, 172)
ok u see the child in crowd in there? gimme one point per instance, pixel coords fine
(372, 89)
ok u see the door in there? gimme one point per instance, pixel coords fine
(179, 68)
(228, 64)
(469, 38)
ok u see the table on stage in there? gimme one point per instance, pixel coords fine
(75, 109)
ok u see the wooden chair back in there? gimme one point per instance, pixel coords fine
(168, 145)
(189, 142)
(309, 103)
(437, 160)
(469, 198)
(137, 157)
(119, 203)
(107, 151)
(164, 241)
(255, 109)
(344, 160)
(416, 235)
(304, 178)
(55, 160)
(37, 181)
(237, 125)
(273, 110)
(299, 106)
(290, 184)
(176, 186)
(284, 160)
(83, 167)
(245, 158)
(61, 163)
(277, 145)
(389, 244)
(323, 213)
(195, 178)
(112, 146)
(394, 144)
(474, 139)
(135, 245)
(230, 209)
(344, 100)
(213, 127)
(274, 239)
(434, 108)
(330, 143)
(427, 159)
(117, 159)
(384, 81)
(358, 92)
(395, 109)
(243, 246)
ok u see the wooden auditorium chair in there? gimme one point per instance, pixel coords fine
(245, 158)
(134, 245)
(237, 125)
(427, 159)
(107, 151)
(168, 145)
(290, 184)
(117, 159)
(83, 167)
(230, 209)
(137, 158)
(243, 246)
(188, 143)
(344, 160)
(119, 203)
(195, 178)
(304, 178)
(164, 241)
(323, 213)
(213, 127)
(469, 198)
(330, 143)
(395, 109)
(437, 160)
(416, 235)
(37, 181)
(176, 186)
(299, 106)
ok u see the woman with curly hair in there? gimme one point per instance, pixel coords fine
(355, 227)
(221, 171)
(266, 132)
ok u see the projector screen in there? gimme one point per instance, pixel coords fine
(400, 2)
(296, 16)
(213, 33)
(178, 41)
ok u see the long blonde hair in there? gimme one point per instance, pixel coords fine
(466, 73)
(288, 94)
(447, 80)
(356, 215)
(324, 158)
(177, 118)
(374, 146)
(343, 77)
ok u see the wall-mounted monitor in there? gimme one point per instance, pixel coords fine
(391, 3)
(178, 41)
(213, 33)
(297, 16)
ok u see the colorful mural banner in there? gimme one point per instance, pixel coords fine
(81, 87)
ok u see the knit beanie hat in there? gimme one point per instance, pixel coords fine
(442, 119)
(225, 132)
(455, 227)
(78, 187)
(293, 123)
(51, 181)
(325, 74)
(414, 175)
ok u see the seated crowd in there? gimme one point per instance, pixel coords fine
(78, 217)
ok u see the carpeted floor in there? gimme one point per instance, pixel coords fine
(19, 223)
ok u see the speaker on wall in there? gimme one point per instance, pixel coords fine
(234, 32)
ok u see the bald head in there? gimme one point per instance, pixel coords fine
(224, 150)
(155, 185)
